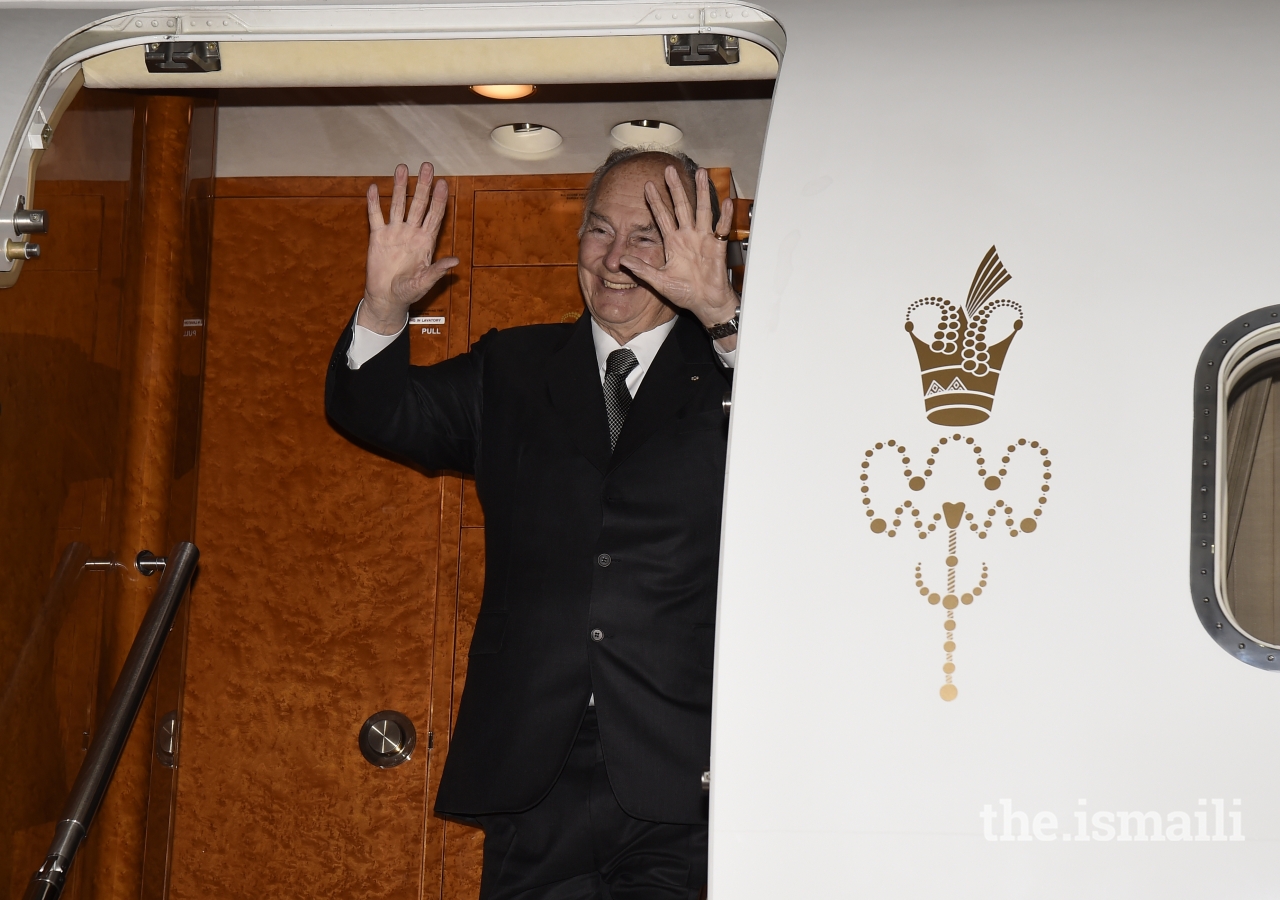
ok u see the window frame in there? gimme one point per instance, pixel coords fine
(1238, 348)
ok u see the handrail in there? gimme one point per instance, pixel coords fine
(100, 762)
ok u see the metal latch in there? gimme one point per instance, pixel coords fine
(184, 56)
(149, 564)
(29, 221)
(25, 221)
(701, 49)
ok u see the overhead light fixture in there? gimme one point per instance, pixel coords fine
(646, 132)
(504, 91)
(526, 137)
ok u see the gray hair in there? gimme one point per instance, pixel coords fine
(622, 154)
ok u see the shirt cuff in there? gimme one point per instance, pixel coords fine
(366, 344)
(728, 358)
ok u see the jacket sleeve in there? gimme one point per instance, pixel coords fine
(429, 415)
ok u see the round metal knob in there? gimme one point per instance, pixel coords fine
(387, 739)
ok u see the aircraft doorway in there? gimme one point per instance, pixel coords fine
(202, 282)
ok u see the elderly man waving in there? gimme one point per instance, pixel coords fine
(598, 450)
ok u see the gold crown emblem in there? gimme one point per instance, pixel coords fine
(960, 367)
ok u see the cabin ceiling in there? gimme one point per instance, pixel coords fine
(361, 131)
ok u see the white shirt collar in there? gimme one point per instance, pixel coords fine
(645, 346)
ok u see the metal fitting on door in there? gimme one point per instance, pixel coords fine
(29, 221)
(148, 563)
(20, 250)
(387, 739)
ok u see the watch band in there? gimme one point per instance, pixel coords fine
(724, 329)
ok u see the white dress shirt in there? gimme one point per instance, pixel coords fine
(366, 344)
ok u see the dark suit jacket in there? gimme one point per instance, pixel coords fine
(576, 539)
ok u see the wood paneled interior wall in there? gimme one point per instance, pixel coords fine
(316, 600)
(60, 353)
(334, 582)
(75, 393)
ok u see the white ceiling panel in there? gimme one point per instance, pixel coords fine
(312, 131)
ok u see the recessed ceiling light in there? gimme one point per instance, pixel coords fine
(641, 132)
(525, 137)
(504, 91)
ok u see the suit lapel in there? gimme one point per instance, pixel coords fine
(665, 390)
(573, 383)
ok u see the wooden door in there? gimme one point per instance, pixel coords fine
(315, 603)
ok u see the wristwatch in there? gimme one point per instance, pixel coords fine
(724, 329)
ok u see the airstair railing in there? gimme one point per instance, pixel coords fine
(104, 752)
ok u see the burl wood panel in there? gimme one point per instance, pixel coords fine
(523, 295)
(527, 228)
(168, 681)
(60, 393)
(316, 601)
(518, 223)
(151, 390)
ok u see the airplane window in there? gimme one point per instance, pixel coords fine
(1236, 488)
(1253, 429)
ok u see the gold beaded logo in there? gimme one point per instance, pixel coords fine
(1019, 481)
(960, 367)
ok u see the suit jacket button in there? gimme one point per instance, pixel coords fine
(604, 559)
(597, 634)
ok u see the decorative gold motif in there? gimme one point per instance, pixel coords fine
(960, 366)
(953, 515)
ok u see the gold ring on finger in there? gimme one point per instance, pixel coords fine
(722, 238)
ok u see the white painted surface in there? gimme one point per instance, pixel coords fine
(27, 37)
(1122, 159)
(327, 132)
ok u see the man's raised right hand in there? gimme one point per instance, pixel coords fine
(399, 270)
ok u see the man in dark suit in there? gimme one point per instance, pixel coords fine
(598, 450)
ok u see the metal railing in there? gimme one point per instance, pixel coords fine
(100, 762)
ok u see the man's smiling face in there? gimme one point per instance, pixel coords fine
(620, 224)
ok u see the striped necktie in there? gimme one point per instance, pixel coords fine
(617, 399)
